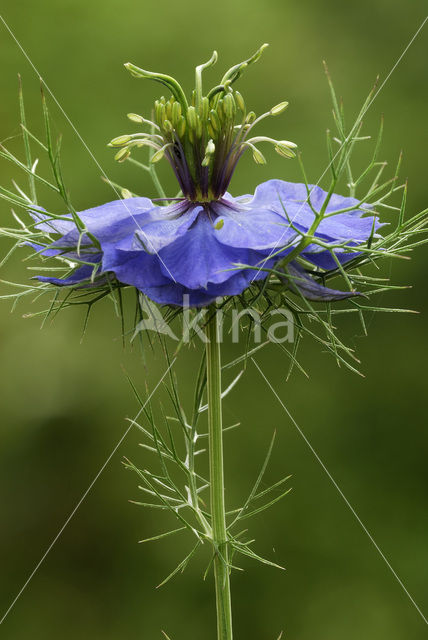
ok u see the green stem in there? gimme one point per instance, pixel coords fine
(218, 514)
(157, 182)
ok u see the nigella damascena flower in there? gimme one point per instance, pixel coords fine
(206, 243)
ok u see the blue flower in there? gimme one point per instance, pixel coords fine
(208, 244)
(192, 253)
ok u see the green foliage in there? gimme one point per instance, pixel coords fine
(178, 487)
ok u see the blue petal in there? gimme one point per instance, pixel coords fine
(295, 193)
(347, 227)
(278, 196)
(350, 226)
(325, 260)
(81, 275)
(138, 269)
(309, 288)
(178, 295)
(88, 254)
(49, 224)
(192, 249)
(165, 225)
(252, 225)
(197, 258)
(113, 220)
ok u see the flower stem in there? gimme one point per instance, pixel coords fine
(219, 531)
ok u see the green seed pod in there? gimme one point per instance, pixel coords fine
(215, 121)
(211, 132)
(181, 126)
(191, 118)
(229, 106)
(199, 127)
(120, 141)
(209, 152)
(220, 109)
(168, 110)
(258, 156)
(158, 155)
(285, 149)
(176, 114)
(122, 154)
(279, 108)
(134, 117)
(239, 101)
(159, 112)
(205, 109)
(210, 148)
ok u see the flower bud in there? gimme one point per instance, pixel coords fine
(205, 109)
(288, 143)
(229, 106)
(215, 121)
(239, 101)
(198, 127)
(122, 154)
(209, 152)
(159, 154)
(181, 126)
(176, 114)
(285, 148)
(191, 118)
(159, 112)
(134, 117)
(168, 108)
(211, 131)
(210, 148)
(120, 141)
(258, 156)
(279, 108)
(220, 110)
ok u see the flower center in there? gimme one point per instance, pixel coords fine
(204, 138)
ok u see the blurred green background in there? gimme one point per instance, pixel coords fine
(63, 403)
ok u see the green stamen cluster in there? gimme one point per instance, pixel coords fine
(202, 139)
